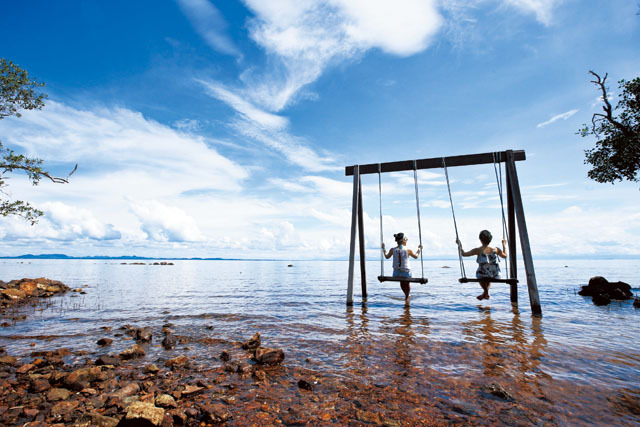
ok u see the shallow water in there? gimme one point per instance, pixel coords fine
(577, 356)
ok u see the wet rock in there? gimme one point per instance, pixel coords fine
(169, 341)
(177, 362)
(56, 394)
(39, 386)
(214, 412)
(253, 342)
(179, 416)
(98, 420)
(108, 360)
(190, 390)
(104, 341)
(142, 414)
(225, 356)
(150, 369)
(269, 356)
(143, 335)
(604, 291)
(166, 401)
(8, 360)
(126, 391)
(367, 417)
(133, 352)
(25, 368)
(13, 294)
(81, 378)
(305, 385)
(636, 302)
(63, 408)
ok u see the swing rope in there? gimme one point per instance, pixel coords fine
(381, 233)
(505, 233)
(455, 224)
(415, 181)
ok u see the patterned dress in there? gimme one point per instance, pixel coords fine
(401, 266)
(488, 267)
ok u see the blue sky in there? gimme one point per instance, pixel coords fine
(210, 128)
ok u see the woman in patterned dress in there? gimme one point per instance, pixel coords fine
(487, 259)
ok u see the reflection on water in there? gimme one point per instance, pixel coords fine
(444, 344)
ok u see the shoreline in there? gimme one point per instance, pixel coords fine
(374, 380)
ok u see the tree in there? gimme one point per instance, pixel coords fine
(19, 92)
(616, 156)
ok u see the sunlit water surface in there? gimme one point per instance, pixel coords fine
(302, 310)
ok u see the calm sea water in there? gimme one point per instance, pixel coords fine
(302, 309)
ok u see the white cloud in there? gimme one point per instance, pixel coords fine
(308, 35)
(563, 116)
(165, 223)
(210, 24)
(542, 9)
(244, 107)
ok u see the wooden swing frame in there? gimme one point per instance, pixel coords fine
(515, 211)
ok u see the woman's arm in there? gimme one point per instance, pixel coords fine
(502, 252)
(387, 255)
(412, 255)
(472, 252)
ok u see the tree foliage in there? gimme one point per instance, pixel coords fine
(19, 92)
(616, 156)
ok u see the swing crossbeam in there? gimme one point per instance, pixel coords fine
(436, 162)
(422, 280)
(471, 280)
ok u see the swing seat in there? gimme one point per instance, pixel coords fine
(422, 280)
(470, 280)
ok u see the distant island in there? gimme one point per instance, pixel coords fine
(102, 257)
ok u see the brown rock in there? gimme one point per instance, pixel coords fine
(169, 341)
(128, 390)
(166, 401)
(80, 378)
(143, 335)
(13, 294)
(63, 408)
(214, 412)
(253, 342)
(108, 360)
(94, 419)
(191, 390)
(133, 352)
(141, 413)
(179, 416)
(150, 369)
(56, 394)
(104, 341)
(177, 361)
(40, 385)
(269, 356)
(225, 356)
(29, 288)
(8, 360)
(167, 421)
(25, 368)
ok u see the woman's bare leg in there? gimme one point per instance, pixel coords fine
(485, 288)
(406, 288)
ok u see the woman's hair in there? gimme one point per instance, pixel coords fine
(399, 237)
(485, 237)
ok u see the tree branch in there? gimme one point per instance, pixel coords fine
(607, 106)
(55, 179)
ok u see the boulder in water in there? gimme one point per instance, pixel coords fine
(604, 291)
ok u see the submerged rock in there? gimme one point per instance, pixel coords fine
(169, 341)
(133, 352)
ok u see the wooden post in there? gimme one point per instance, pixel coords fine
(534, 298)
(352, 245)
(363, 268)
(511, 231)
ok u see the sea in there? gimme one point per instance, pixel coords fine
(580, 360)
